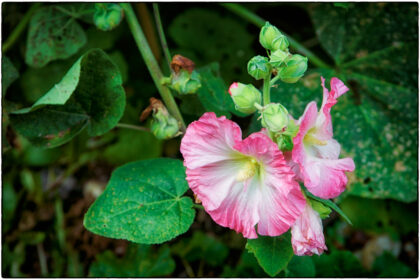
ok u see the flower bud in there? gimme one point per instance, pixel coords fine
(275, 117)
(244, 97)
(107, 16)
(164, 126)
(258, 67)
(284, 142)
(278, 57)
(294, 69)
(185, 83)
(272, 39)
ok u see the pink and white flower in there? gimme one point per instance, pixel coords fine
(316, 152)
(307, 235)
(241, 183)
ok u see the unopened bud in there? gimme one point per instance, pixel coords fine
(258, 67)
(278, 57)
(185, 83)
(275, 117)
(163, 125)
(272, 39)
(244, 97)
(294, 69)
(107, 16)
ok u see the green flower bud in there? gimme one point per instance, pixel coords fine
(272, 39)
(275, 117)
(278, 57)
(323, 211)
(185, 83)
(107, 16)
(258, 67)
(244, 97)
(163, 126)
(294, 69)
(284, 142)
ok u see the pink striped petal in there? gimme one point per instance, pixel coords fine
(241, 183)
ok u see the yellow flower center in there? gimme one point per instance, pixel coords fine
(248, 170)
(310, 139)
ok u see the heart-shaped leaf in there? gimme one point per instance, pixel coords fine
(143, 203)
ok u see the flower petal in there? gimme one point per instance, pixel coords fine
(307, 234)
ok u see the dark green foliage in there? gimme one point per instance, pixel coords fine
(338, 264)
(139, 261)
(89, 95)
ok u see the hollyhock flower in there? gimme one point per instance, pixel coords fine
(241, 183)
(316, 152)
(307, 235)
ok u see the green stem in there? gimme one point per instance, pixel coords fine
(132, 126)
(162, 34)
(266, 90)
(19, 28)
(198, 206)
(151, 63)
(256, 20)
(274, 80)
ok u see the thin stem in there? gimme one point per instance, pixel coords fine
(188, 268)
(162, 34)
(19, 28)
(274, 80)
(151, 63)
(256, 20)
(132, 126)
(266, 90)
(198, 206)
(42, 260)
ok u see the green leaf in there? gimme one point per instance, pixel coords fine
(272, 253)
(246, 267)
(231, 43)
(201, 247)
(9, 73)
(139, 261)
(300, 267)
(53, 34)
(9, 203)
(89, 95)
(328, 203)
(143, 203)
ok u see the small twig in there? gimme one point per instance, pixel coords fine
(132, 126)
(188, 268)
(162, 34)
(19, 28)
(42, 260)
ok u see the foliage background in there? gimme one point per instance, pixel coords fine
(372, 47)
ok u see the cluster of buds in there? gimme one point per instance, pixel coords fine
(107, 16)
(163, 125)
(289, 68)
(184, 79)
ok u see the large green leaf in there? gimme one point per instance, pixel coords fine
(89, 95)
(54, 34)
(381, 141)
(143, 203)
(272, 253)
(139, 261)
(204, 35)
(246, 267)
(300, 267)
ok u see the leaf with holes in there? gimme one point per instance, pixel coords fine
(139, 261)
(90, 95)
(272, 253)
(143, 203)
(53, 34)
